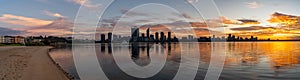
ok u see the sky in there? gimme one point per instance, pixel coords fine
(275, 19)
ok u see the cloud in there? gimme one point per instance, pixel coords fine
(261, 31)
(253, 4)
(58, 27)
(133, 13)
(249, 21)
(6, 31)
(251, 28)
(156, 27)
(111, 20)
(181, 28)
(198, 24)
(225, 20)
(85, 3)
(52, 14)
(187, 16)
(23, 21)
(182, 16)
(284, 19)
(192, 1)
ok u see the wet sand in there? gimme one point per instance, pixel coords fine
(28, 63)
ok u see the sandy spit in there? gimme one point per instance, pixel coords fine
(28, 63)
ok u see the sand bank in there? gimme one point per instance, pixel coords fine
(28, 63)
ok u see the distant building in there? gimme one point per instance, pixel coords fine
(8, 39)
(18, 39)
(169, 36)
(184, 38)
(190, 37)
(162, 36)
(109, 37)
(143, 37)
(148, 33)
(135, 34)
(102, 37)
(229, 38)
(1, 39)
(156, 36)
(223, 38)
(12, 39)
(115, 37)
(213, 38)
(151, 39)
(34, 39)
(233, 37)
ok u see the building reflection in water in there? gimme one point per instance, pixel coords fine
(135, 51)
(102, 48)
(277, 58)
(279, 55)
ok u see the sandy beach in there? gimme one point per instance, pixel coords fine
(28, 63)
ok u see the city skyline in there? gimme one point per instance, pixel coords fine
(161, 37)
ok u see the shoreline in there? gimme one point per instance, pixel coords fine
(68, 75)
(29, 63)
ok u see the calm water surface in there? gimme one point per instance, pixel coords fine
(244, 60)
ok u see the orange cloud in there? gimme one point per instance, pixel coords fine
(23, 21)
(284, 19)
(58, 27)
(180, 28)
(225, 20)
(198, 24)
(249, 21)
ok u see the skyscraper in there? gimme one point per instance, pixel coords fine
(151, 39)
(169, 36)
(102, 37)
(229, 38)
(162, 35)
(190, 37)
(148, 33)
(134, 33)
(156, 36)
(214, 37)
(143, 35)
(109, 37)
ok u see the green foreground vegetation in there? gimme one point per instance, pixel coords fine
(11, 44)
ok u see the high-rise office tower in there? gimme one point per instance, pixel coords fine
(134, 33)
(151, 38)
(109, 37)
(102, 37)
(156, 36)
(143, 35)
(162, 35)
(148, 33)
(169, 36)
